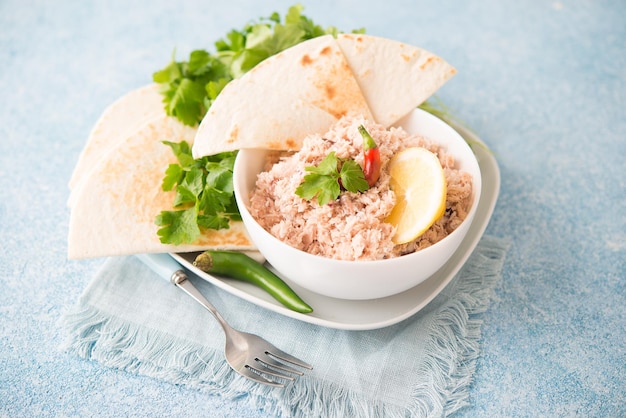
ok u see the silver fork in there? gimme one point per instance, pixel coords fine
(249, 355)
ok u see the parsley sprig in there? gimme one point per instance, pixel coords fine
(204, 195)
(326, 180)
(190, 87)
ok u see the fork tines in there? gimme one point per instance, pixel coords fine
(281, 355)
(269, 371)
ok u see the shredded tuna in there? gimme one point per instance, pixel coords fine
(352, 227)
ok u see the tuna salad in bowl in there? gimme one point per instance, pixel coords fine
(336, 217)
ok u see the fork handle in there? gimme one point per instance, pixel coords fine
(162, 264)
(168, 268)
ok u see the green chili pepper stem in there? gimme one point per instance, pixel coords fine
(368, 141)
(242, 267)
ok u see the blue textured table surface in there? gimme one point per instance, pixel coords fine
(542, 83)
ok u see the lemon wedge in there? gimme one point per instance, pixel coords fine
(419, 183)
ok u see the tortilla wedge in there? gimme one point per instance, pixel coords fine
(123, 117)
(116, 204)
(394, 77)
(303, 89)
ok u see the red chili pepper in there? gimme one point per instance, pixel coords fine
(371, 157)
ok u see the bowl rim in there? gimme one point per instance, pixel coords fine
(476, 191)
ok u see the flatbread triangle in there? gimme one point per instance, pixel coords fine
(394, 77)
(119, 120)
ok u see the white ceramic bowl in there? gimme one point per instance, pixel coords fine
(359, 279)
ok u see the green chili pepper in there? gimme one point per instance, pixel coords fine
(240, 266)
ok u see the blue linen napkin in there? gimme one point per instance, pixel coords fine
(129, 318)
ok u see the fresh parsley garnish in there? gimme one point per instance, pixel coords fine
(326, 180)
(190, 87)
(204, 195)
